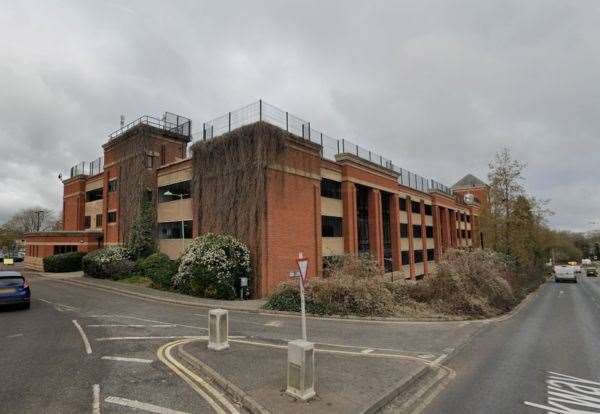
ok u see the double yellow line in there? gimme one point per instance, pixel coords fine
(214, 397)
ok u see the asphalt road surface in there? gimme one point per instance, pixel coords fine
(544, 359)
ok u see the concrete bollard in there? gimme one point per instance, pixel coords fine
(301, 369)
(218, 329)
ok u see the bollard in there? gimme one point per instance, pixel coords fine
(301, 369)
(218, 329)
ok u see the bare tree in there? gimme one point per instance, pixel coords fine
(31, 220)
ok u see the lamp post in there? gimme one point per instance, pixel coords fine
(170, 194)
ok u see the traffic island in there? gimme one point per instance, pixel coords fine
(254, 373)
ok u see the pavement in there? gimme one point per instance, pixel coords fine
(85, 347)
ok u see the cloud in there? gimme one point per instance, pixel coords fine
(437, 86)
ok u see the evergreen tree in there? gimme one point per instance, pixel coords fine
(141, 242)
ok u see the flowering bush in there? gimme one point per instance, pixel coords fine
(111, 262)
(212, 266)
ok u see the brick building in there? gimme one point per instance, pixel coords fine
(323, 197)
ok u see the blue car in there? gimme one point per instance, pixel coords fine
(14, 289)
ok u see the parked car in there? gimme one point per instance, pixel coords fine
(14, 289)
(564, 273)
(591, 271)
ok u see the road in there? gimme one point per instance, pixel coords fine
(47, 366)
(526, 364)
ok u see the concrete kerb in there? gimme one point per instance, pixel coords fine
(232, 390)
(349, 318)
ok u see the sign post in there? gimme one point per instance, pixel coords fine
(303, 267)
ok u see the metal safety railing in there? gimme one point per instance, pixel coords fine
(330, 147)
(169, 122)
(87, 168)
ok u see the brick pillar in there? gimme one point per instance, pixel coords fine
(375, 225)
(395, 232)
(452, 227)
(424, 240)
(349, 220)
(411, 258)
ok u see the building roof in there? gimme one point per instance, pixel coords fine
(469, 180)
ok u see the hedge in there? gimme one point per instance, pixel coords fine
(64, 262)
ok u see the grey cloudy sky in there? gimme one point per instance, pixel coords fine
(437, 86)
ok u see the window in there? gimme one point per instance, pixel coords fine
(469, 234)
(418, 256)
(331, 189)
(405, 258)
(175, 190)
(150, 161)
(457, 233)
(387, 233)
(428, 210)
(331, 226)
(429, 232)
(362, 218)
(464, 234)
(93, 195)
(87, 222)
(64, 249)
(112, 217)
(172, 230)
(462, 217)
(113, 185)
(403, 230)
(416, 230)
(430, 255)
(98, 220)
(468, 218)
(163, 154)
(416, 207)
(402, 204)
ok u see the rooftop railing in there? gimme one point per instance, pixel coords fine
(330, 147)
(87, 168)
(169, 122)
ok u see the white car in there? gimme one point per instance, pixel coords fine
(564, 273)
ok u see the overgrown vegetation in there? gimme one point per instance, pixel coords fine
(212, 266)
(111, 262)
(465, 283)
(65, 262)
(141, 241)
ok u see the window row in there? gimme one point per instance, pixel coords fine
(465, 234)
(416, 228)
(172, 230)
(175, 191)
(418, 254)
(415, 207)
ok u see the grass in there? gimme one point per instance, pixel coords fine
(137, 280)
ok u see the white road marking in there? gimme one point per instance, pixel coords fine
(124, 359)
(149, 320)
(96, 400)
(439, 359)
(136, 405)
(276, 324)
(133, 338)
(59, 306)
(426, 356)
(565, 391)
(366, 351)
(15, 335)
(115, 326)
(86, 343)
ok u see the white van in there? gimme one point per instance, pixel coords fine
(564, 273)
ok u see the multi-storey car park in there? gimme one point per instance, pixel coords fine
(270, 179)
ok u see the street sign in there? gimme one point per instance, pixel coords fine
(303, 266)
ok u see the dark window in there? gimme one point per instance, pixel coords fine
(429, 232)
(430, 255)
(428, 210)
(64, 249)
(87, 222)
(469, 234)
(175, 191)
(402, 204)
(418, 256)
(416, 207)
(457, 233)
(113, 185)
(172, 230)
(387, 232)
(416, 230)
(468, 218)
(93, 195)
(331, 189)
(403, 230)
(98, 220)
(331, 226)
(462, 217)
(463, 234)
(163, 154)
(112, 216)
(362, 215)
(405, 257)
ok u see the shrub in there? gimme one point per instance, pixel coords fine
(212, 266)
(141, 242)
(64, 262)
(158, 268)
(108, 263)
